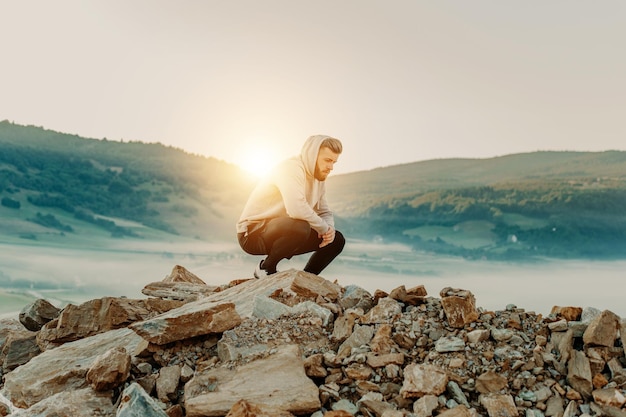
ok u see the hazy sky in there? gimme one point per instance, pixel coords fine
(397, 81)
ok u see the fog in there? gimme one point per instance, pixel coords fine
(71, 275)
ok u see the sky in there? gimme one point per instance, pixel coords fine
(247, 81)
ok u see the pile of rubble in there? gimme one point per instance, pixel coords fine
(297, 344)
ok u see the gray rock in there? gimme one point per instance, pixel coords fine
(135, 402)
(38, 313)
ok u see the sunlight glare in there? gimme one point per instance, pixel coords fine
(258, 159)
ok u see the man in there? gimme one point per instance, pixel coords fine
(287, 213)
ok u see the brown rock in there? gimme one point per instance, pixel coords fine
(243, 408)
(358, 371)
(423, 379)
(183, 291)
(386, 311)
(314, 366)
(181, 324)
(459, 306)
(459, 411)
(599, 381)
(83, 402)
(213, 392)
(109, 370)
(609, 396)
(338, 413)
(568, 313)
(490, 382)
(499, 405)
(602, 331)
(312, 286)
(413, 296)
(382, 343)
(579, 374)
(378, 361)
(98, 316)
(175, 411)
(63, 368)
(343, 325)
(181, 274)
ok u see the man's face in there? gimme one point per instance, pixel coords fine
(326, 160)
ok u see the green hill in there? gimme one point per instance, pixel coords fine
(558, 204)
(63, 189)
(55, 183)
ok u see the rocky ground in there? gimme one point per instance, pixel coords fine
(296, 344)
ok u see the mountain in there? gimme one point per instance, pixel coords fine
(62, 188)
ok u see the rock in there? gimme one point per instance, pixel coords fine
(19, 348)
(490, 382)
(413, 296)
(382, 343)
(188, 321)
(63, 368)
(609, 396)
(268, 308)
(213, 392)
(602, 330)
(567, 313)
(423, 379)
(181, 274)
(135, 402)
(499, 405)
(386, 311)
(311, 286)
(344, 324)
(579, 374)
(425, 405)
(459, 306)
(479, 335)
(182, 291)
(38, 313)
(449, 344)
(243, 408)
(167, 383)
(98, 316)
(361, 336)
(109, 370)
(380, 356)
(460, 411)
(355, 297)
(313, 309)
(83, 402)
(378, 361)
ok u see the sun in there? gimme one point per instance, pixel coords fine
(258, 159)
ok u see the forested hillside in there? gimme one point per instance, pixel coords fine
(557, 204)
(99, 181)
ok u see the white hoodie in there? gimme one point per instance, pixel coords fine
(290, 190)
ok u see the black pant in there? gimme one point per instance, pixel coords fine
(283, 237)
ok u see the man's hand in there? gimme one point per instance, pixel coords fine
(327, 237)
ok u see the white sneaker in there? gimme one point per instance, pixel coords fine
(260, 273)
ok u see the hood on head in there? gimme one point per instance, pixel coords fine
(309, 152)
